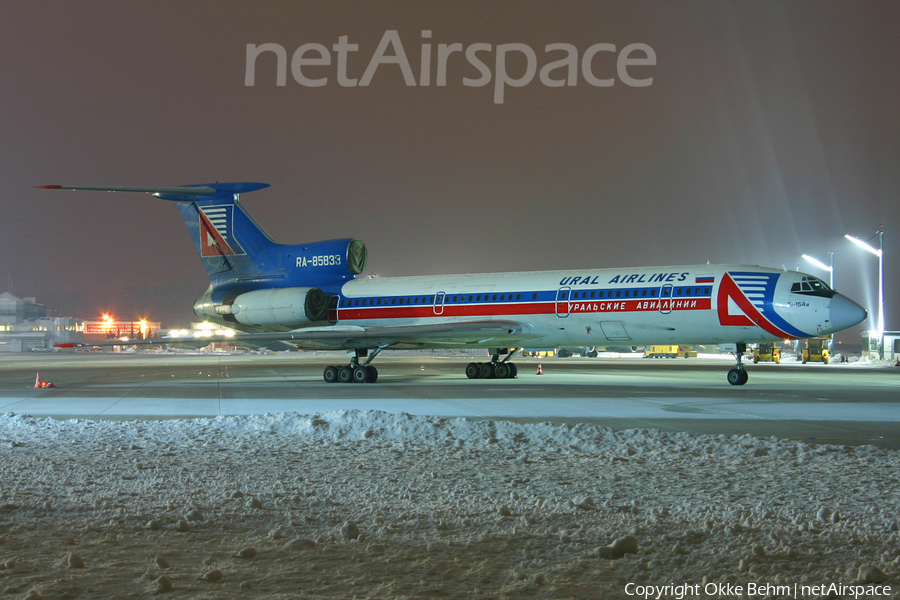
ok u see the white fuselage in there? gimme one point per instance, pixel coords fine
(596, 307)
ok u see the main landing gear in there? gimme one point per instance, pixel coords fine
(354, 372)
(496, 369)
(737, 375)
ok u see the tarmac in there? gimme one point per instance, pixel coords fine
(847, 404)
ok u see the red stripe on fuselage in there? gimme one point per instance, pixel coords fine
(351, 313)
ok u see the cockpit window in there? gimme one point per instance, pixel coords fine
(811, 286)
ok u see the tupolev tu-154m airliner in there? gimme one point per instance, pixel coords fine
(308, 295)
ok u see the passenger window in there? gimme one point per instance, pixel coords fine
(518, 296)
(534, 296)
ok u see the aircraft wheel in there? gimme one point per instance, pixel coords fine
(513, 370)
(501, 371)
(360, 375)
(737, 377)
(330, 374)
(371, 374)
(472, 371)
(486, 371)
(345, 374)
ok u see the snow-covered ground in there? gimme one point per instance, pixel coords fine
(374, 505)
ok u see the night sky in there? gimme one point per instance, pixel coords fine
(770, 130)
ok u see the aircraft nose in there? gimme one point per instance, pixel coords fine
(845, 313)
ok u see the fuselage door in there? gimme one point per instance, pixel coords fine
(562, 302)
(439, 303)
(334, 304)
(665, 299)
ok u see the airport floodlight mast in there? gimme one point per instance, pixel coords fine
(822, 265)
(879, 252)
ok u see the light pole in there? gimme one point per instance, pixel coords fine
(821, 265)
(880, 254)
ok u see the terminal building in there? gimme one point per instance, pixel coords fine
(108, 328)
(25, 326)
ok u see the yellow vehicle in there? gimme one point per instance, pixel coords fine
(816, 350)
(539, 352)
(669, 352)
(767, 352)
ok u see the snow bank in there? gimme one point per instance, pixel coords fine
(373, 504)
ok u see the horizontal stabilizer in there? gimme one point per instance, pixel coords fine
(183, 193)
(200, 191)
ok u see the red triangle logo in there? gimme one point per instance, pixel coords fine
(750, 317)
(728, 289)
(211, 241)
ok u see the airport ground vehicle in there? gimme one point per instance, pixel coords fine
(767, 352)
(816, 350)
(669, 352)
(539, 352)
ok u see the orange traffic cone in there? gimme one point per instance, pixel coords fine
(37, 381)
(540, 371)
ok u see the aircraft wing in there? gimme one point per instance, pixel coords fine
(474, 333)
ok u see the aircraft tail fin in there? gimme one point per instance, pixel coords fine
(228, 239)
(238, 254)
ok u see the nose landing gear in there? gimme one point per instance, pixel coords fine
(737, 375)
